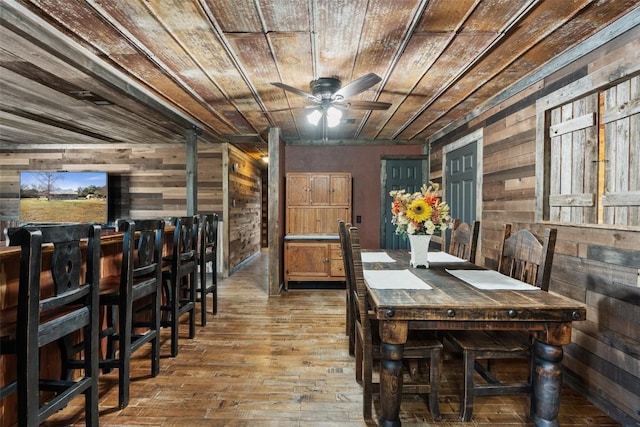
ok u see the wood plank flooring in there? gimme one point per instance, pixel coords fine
(282, 361)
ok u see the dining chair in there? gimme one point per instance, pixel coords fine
(179, 278)
(57, 307)
(420, 345)
(343, 231)
(523, 257)
(463, 242)
(131, 298)
(207, 256)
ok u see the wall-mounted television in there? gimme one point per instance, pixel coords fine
(53, 197)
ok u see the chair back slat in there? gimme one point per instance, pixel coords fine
(185, 239)
(361, 299)
(526, 258)
(142, 249)
(347, 260)
(347, 256)
(464, 240)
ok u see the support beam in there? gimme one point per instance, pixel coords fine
(191, 138)
(275, 212)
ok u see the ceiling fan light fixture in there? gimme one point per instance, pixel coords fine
(314, 117)
(333, 117)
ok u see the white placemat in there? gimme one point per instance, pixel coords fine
(491, 280)
(394, 279)
(376, 257)
(443, 257)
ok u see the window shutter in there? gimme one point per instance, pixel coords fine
(621, 118)
(574, 156)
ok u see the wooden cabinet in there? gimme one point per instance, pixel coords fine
(316, 260)
(315, 220)
(315, 203)
(318, 189)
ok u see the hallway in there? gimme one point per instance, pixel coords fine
(281, 362)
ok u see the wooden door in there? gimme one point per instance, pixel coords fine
(340, 190)
(307, 259)
(400, 174)
(320, 194)
(460, 176)
(298, 190)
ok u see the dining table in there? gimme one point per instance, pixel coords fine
(441, 297)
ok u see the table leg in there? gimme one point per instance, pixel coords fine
(547, 382)
(390, 384)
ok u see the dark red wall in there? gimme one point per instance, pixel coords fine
(364, 165)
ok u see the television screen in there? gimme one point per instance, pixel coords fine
(47, 196)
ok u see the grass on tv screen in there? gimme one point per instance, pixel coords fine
(63, 197)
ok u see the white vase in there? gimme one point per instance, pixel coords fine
(419, 249)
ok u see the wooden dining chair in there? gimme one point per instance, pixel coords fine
(420, 345)
(523, 257)
(59, 308)
(179, 278)
(343, 232)
(131, 298)
(207, 257)
(463, 242)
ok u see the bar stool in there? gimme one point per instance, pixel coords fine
(132, 301)
(179, 278)
(207, 254)
(57, 313)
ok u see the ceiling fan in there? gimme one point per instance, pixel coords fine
(329, 98)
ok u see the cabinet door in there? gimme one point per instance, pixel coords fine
(302, 221)
(298, 190)
(320, 190)
(327, 219)
(340, 192)
(307, 259)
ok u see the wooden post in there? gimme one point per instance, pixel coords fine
(192, 169)
(275, 215)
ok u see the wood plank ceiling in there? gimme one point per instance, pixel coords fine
(139, 71)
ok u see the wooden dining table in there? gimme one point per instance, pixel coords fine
(452, 304)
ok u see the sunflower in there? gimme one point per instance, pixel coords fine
(419, 211)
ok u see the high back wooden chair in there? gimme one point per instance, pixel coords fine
(179, 277)
(420, 345)
(464, 240)
(57, 312)
(527, 259)
(343, 232)
(132, 300)
(207, 256)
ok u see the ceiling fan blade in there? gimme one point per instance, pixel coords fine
(366, 105)
(358, 85)
(296, 91)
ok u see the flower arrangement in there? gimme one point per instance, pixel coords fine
(422, 212)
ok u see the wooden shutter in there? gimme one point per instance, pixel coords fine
(574, 155)
(621, 118)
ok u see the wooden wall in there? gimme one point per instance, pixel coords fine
(151, 181)
(143, 181)
(597, 265)
(245, 207)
